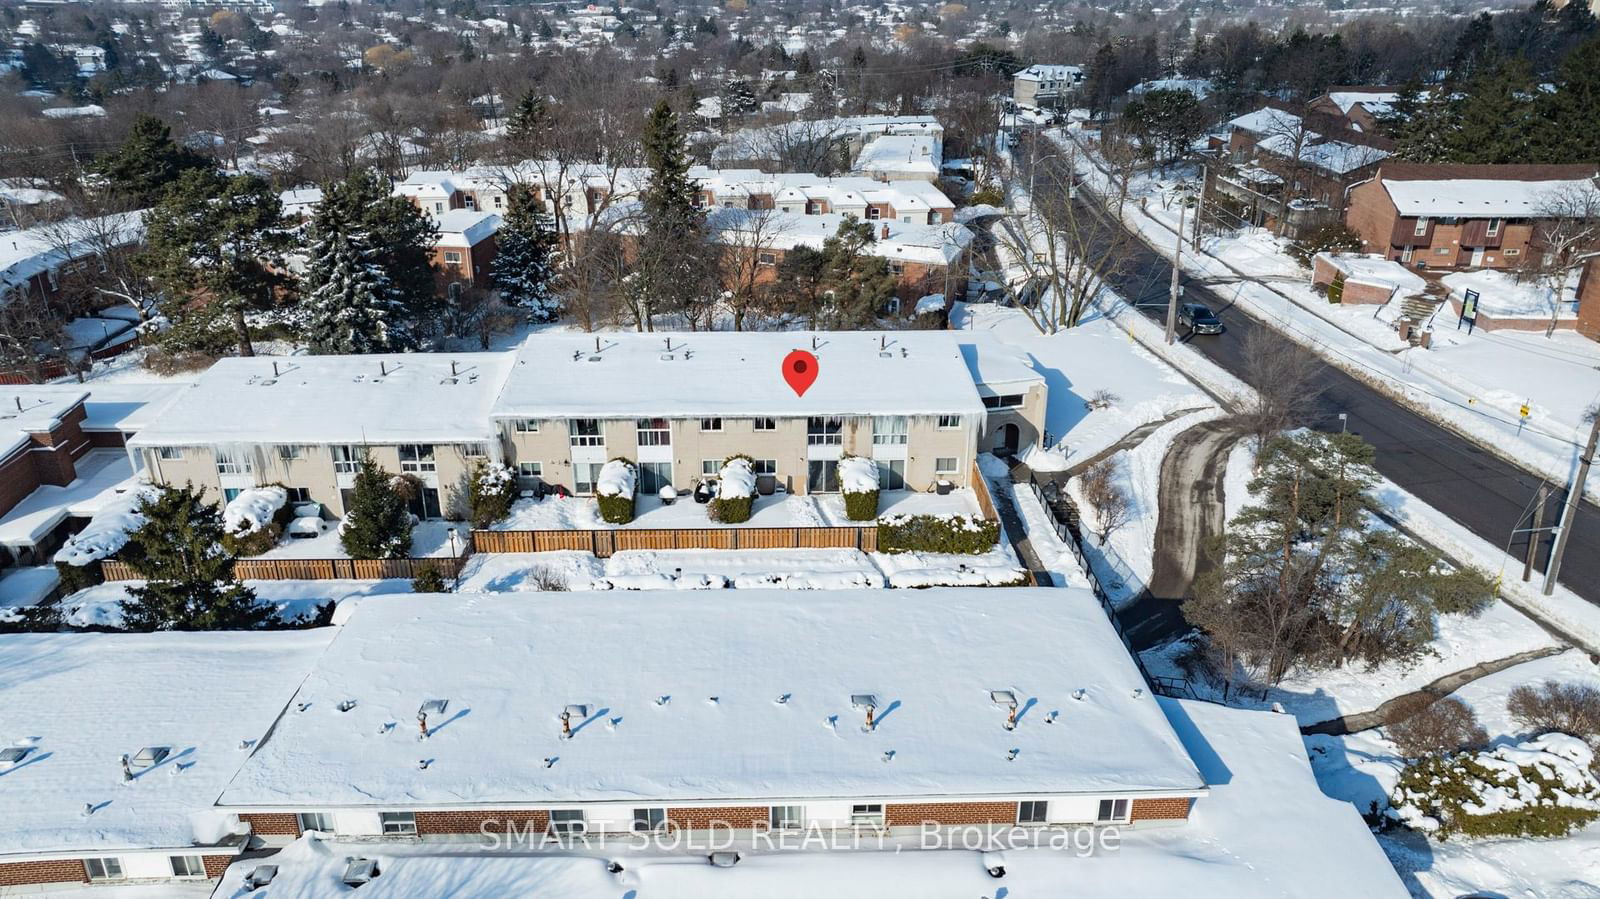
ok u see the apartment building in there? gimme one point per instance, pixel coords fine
(908, 202)
(680, 404)
(1462, 216)
(305, 422)
(870, 711)
(1046, 86)
(1295, 165)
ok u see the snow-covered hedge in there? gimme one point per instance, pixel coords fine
(1545, 787)
(858, 480)
(491, 489)
(107, 532)
(966, 534)
(253, 520)
(614, 490)
(736, 490)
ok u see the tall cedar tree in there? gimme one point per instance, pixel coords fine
(673, 249)
(377, 524)
(1495, 116)
(399, 237)
(147, 162)
(214, 246)
(524, 266)
(347, 302)
(189, 580)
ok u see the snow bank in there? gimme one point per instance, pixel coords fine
(107, 532)
(616, 479)
(736, 480)
(253, 509)
(968, 213)
(857, 474)
(932, 303)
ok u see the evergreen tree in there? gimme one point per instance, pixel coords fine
(1495, 117)
(524, 267)
(674, 253)
(189, 580)
(1428, 136)
(738, 100)
(147, 162)
(377, 524)
(1569, 118)
(529, 122)
(858, 284)
(397, 237)
(347, 302)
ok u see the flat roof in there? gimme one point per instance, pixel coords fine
(380, 399)
(667, 675)
(109, 406)
(1481, 197)
(736, 373)
(992, 362)
(24, 414)
(87, 699)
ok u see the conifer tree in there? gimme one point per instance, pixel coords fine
(189, 580)
(529, 121)
(397, 237)
(348, 305)
(1569, 117)
(147, 161)
(377, 524)
(674, 262)
(524, 266)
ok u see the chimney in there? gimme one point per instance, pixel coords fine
(883, 342)
(452, 368)
(566, 725)
(274, 368)
(127, 772)
(669, 344)
(422, 725)
(1011, 717)
(885, 230)
(870, 724)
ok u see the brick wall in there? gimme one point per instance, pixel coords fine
(273, 824)
(1160, 809)
(738, 817)
(216, 864)
(66, 870)
(950, 813)
(1589, 300)
(476, 822)
(106, 438)
(17, 480)
(1372, 215)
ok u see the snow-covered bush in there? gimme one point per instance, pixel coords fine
(252, 521)
(858, 480)
(1568, 708)
(614, 490)
(1542, 788)
(491, 489)
(78, 560)
(736, 490)
(1430, 727)
(966, 534)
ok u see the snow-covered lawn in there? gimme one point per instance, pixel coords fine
(429, 539)
(776, 511)
(1077, 364)
(100, 606)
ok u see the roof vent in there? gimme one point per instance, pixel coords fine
(667, 357)
(359, 871)
(863, 700)
(1003, 698)
(14, 754)
(594, 358)
(260, 876)
(269, 382)
(150, 756)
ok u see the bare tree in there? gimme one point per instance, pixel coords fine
(1102, 490)
(32, 332)
(1567, 224)
(1288, 384)
(748, 241)
(103, 243)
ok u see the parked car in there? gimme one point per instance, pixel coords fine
(1198, 318)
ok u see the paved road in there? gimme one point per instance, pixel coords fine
(1473, 486)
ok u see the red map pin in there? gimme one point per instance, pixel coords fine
(800, 370)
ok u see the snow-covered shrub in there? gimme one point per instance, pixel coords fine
(253, 521)
(1430, 727)
(428, 580)
(491, 489)
(1542, 788)
(79, 558)
(966, 534)
(1568, 708)
(614, 490)
(858, 481)
(736, 490)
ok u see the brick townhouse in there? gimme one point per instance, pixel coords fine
(1290, 161)
(1588, 323)
(1461, 216)
(869, 711)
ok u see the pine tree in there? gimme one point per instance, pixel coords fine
(529, 122)
(674, 258)
(1569, 118)
(738, 100)
(1495, 117)
(189, 580)
(347, 302)
(524, 266)
(377, 524)
(398, 238)
(1428, 136)
(147, 161)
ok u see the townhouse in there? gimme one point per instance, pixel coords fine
(1462, 216)
(465, 248)
(1362, 108)
(1046, 86)
(855, 711)
(1302, 167)
(908, 202)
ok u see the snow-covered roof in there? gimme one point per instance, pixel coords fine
(23, 413)
(1479, 197)
(465, 227)
(379, 399)
(849, 190)
(126, 406)
(1374, 100)
(1336, 157)
(992, 362)
(1050, 73)
(103, 477)
(75, 112)
(709, 373)
(1266, 120)
(905, 153)
(87, 699)
(903, 242)
(1373, 269)
(1200, 87)
(33, 251)
(509, 665)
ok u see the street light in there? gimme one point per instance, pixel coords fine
(456, 581)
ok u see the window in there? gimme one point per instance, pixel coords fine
(586, 432)
(787, 817)
(892, 474)
(473, 450)
(1494, 227)
(438, 207)
(584, 476)
(1032, 811)
(649, 819)
(710, 467)
(298, 494)
(451, 257)
(710, 424)
(499, 201)
(949, 422)
(187, 866)
(654, 432)
(229, 494)
(1112, 810)
(906, 219)
(322, 822)
(1422, 227)
(824, 432)
(1441, 251)
(653, 476)
(896, 267)
(103, 868)
(765, 466)
(288, 452)
(935, 218)
(889, 430)
(232, 462)
(416, 457)
(346, 459)
(526, 425)
(1004, 401)
(874, 213)
(398, 822)
(767, 258)
(867, 814)
(944, 465)
(530, 470)
(766, 424)
(169, 452)
(1513, 252)
(566, 820)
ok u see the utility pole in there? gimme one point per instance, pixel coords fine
(1172, 290)
(1570, 512)
(1200, 208)
(1533, 533)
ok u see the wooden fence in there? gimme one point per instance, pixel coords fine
(604, 543)
(980, 486)
(315, 569)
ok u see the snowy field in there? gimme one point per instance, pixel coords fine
(776, 511)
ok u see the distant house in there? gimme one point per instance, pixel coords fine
(1046, 86)
(1294, 165)
(1460, 216)
(1360, 108)
(465, 247)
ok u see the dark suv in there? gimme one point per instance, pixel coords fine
(1198, 319)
